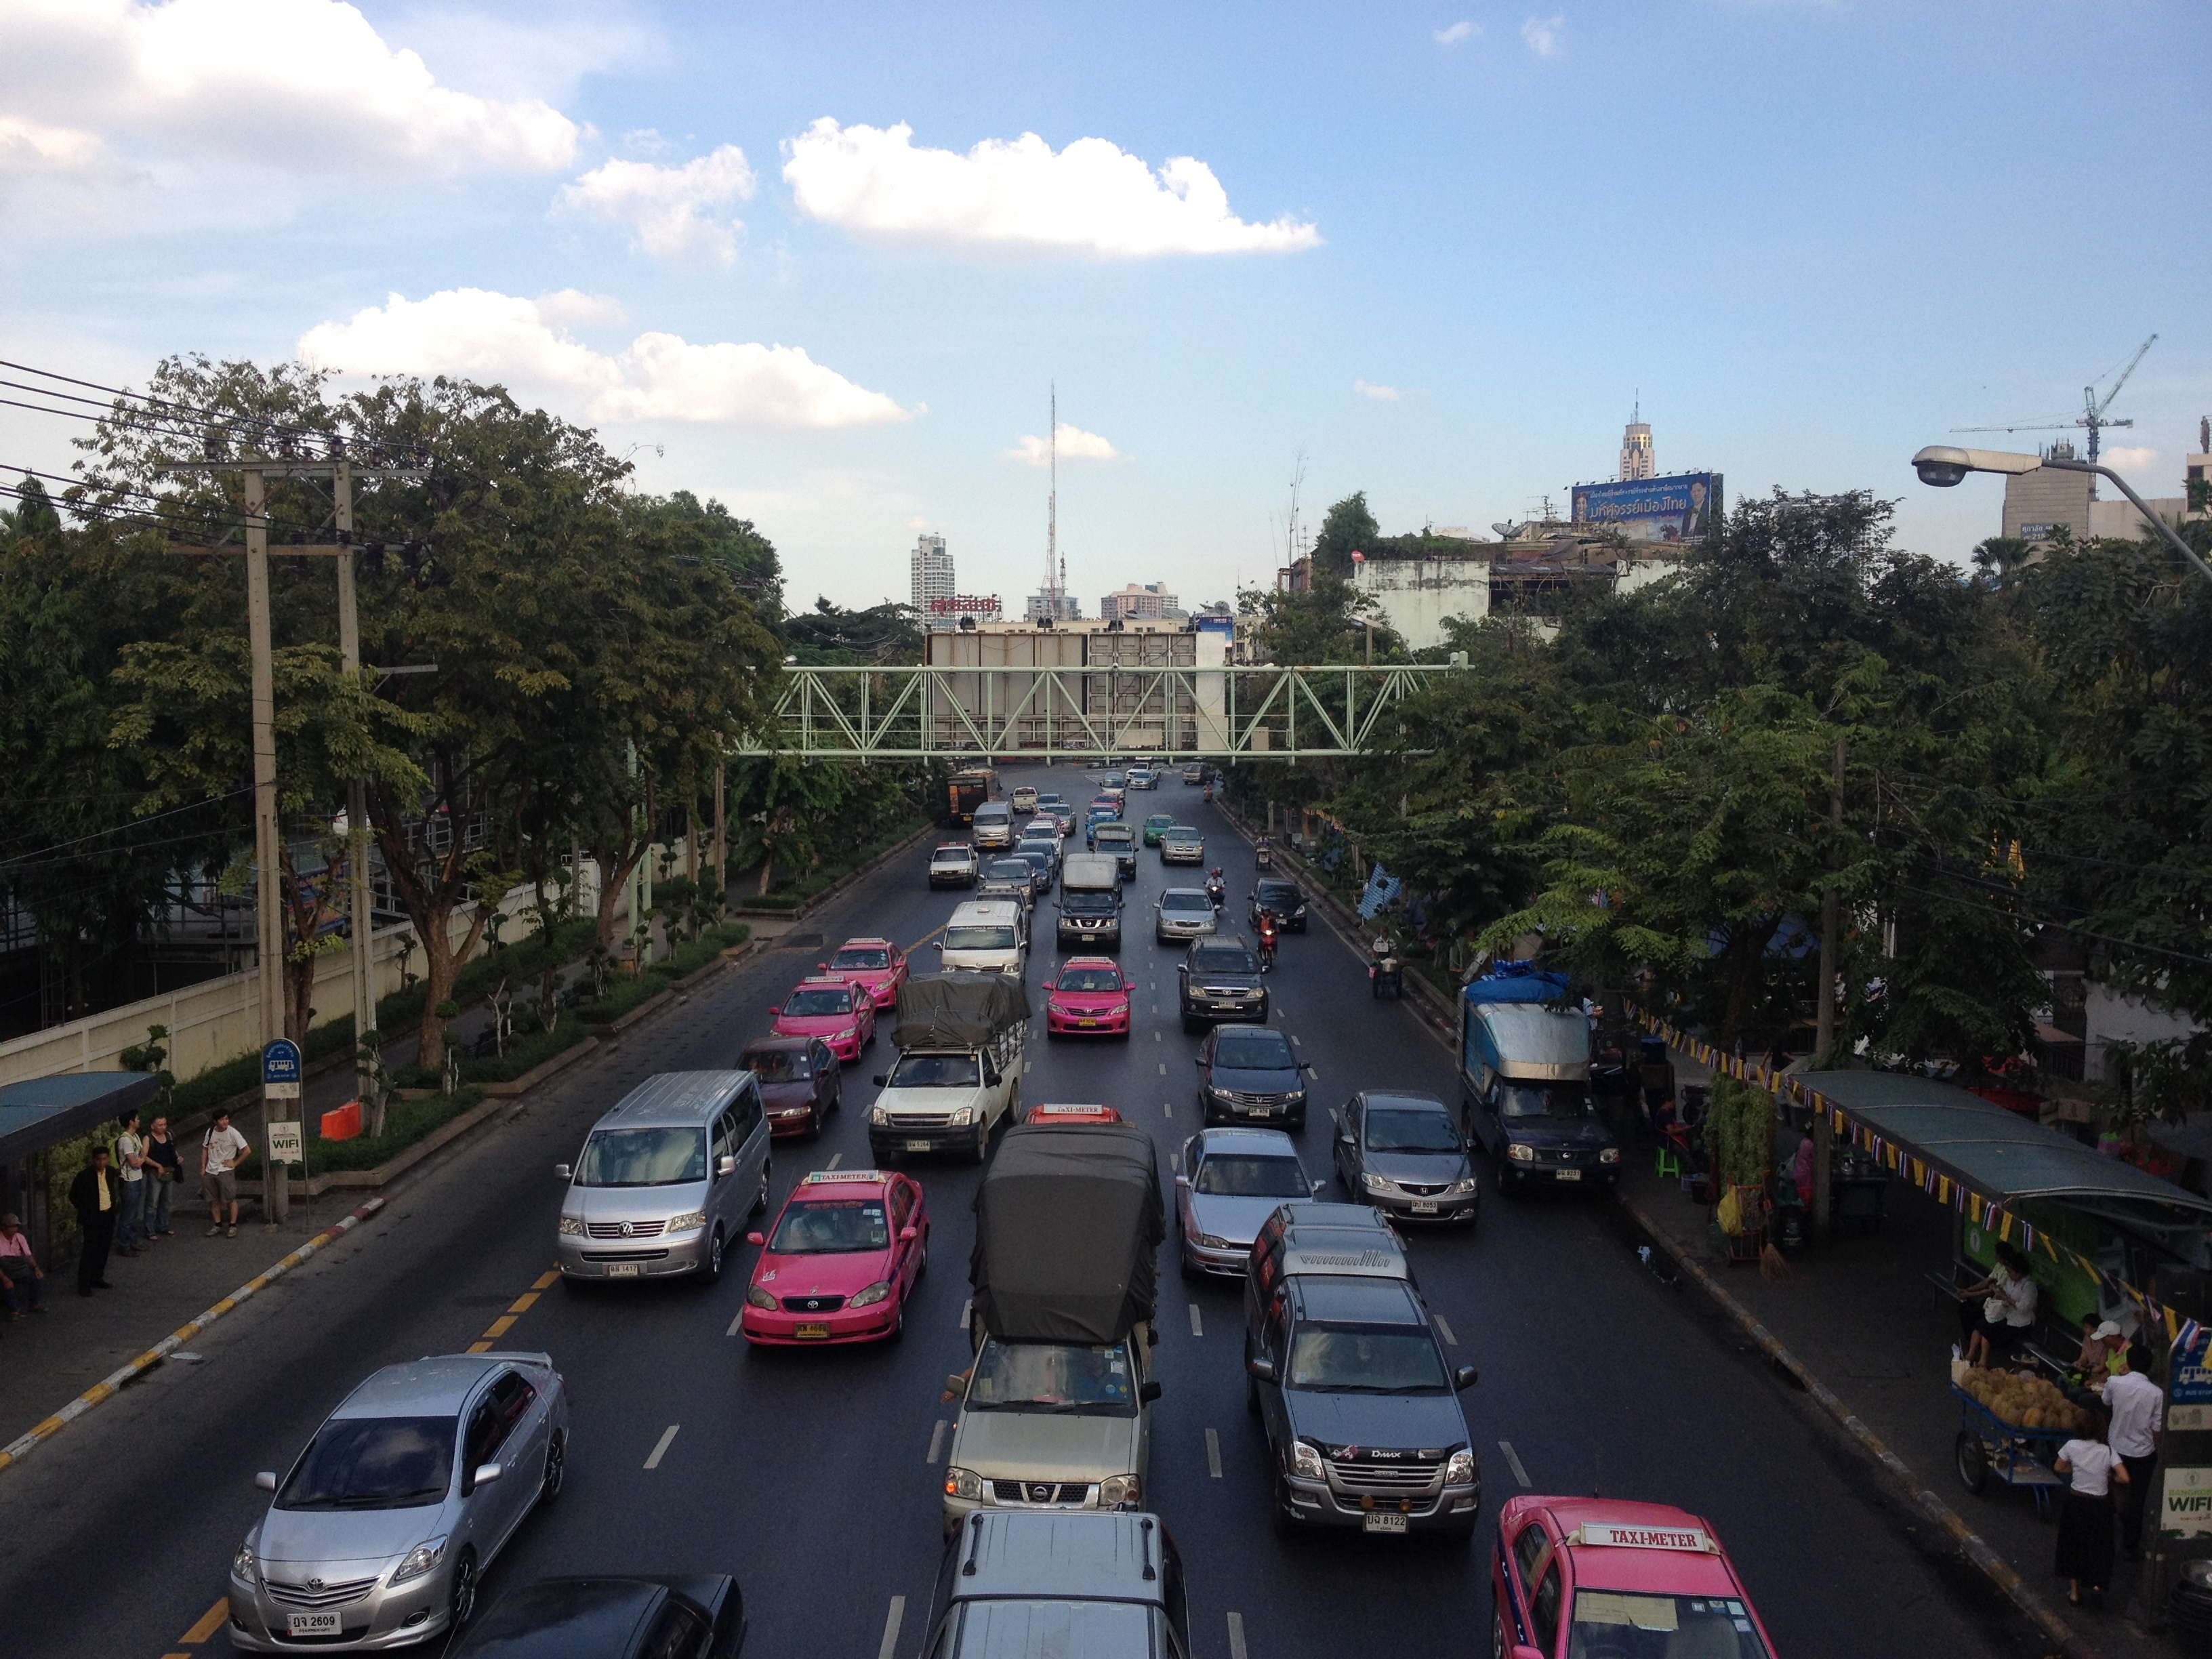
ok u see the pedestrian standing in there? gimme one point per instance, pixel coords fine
(98, 1196)
(2085, 1513)
(222, 1148)
(2137, 1406)
(166, 1170)
(131, 1170)
(21, 1278)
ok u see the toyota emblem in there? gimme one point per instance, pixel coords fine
(627, 1229)
(315, 1583)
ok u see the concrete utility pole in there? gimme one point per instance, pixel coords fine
(361, 911)
(1824, 1040)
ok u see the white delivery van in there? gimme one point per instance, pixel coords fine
(987, 936)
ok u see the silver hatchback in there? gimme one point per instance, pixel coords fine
(376, 1536)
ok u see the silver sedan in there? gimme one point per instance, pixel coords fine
(1233, 1181)
(1183, 913)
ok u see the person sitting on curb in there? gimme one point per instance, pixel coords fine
(19, 1270)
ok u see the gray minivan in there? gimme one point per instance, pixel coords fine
(666, 1180)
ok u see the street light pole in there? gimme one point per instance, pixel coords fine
(2165, 531)
(1944, 466)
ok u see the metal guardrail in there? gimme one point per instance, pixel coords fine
(914, 713)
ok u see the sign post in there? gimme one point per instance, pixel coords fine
(280, 1117)
(2183, 1492)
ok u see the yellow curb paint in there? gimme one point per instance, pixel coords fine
(522, 1303)
(210, 1622)
(500, 1327)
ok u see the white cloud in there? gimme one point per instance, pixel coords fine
(2131, 460)
(1382, 394)
(1075, 445)
(1542, 35)
(483, 335)
(1458, 32)
(1091, 199)
(294, 85)
(662, 207)
(33, 147)
(570, 305)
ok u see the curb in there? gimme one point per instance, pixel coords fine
(1971, 1543)
(107, 1387)
(769, 913)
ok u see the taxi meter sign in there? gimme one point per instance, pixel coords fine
(1590, 1533)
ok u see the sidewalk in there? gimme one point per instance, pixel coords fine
(1861, 1315)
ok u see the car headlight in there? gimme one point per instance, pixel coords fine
(1609, 1155)
(878, 1116)
(572, 1226)
(244, 1567)
(1460, 1469)
(1211, 1242)
(690, 1222)
(1117, 1490)
(757, 1298)
(422, 1559)
(1218, 1091)
(1296, 1097)
(848, 1034)
(958, 1117)
(1376, 1183)
(1058, 1008)
(868, 1297)
(1466, 1184)
(1305, 1462)
(1521, 1154)
(963, 1483)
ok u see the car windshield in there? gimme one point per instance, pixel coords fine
(831, 1226)
(1279, 894)
(1045, 801)
(777, 1066)
(1631, 1625)
(1222, 959)
(1053, 1377)
(1398, 1129)
(1183, 899)
(1010, 870)
(1253, 1051)
(1088, 979)
(960, 856)
(642, 1157)
(1160, 820)
(979, 938)
(820, 999)
(1365, 1359)
(1081, 900)
(935, 1072)
(1546, 1100)
(1182, 832)
(862, 956)
(1243, 1175)
(372, 1463)
(1038, 861)
(1116, 832)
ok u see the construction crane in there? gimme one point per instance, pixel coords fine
(2092, 412)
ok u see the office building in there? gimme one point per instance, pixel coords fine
(933, 579)
(1141, 601)
(1637, 457)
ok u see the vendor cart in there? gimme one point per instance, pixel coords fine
(1988, 1445)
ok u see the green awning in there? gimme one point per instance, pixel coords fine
(37, 1114)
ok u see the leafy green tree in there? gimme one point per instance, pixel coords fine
(1346, 528)
(830, 635)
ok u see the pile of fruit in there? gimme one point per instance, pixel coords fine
(2026, 1401)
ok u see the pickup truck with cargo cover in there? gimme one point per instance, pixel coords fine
(1090, 903)
(961, 1040)
(1121, 841)
(1525, 1083)
(1055, 1412)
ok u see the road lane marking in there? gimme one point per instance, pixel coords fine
(660, 1450)
(545, 1281)
(1236, 1637)
(1297, 1040)
(1450, 1341)
(499, 1327)
(891, 1623)
(1156, 1036)
(210, 1622)
(936, 1443)
(1513, 1460)
(1167, 1108)
(1197, 1325)
(966, 1308)
(735, 1324)
(835, 1158)
(1213, 1453)
(1314, 1072)
(523, 1302)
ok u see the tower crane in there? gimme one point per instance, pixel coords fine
(2092, 414)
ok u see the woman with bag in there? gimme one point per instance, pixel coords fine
(2085, 1514)
(167, 1166)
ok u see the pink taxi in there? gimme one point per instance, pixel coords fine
(841, 1016)
(877, 965)
(838, 1264)
(1596, 1575)
(1089, 996)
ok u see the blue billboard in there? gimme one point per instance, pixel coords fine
(1681, 508)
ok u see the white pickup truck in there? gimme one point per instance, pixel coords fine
(963, 1044)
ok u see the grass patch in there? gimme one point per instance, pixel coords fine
(406, 1122)
(789, 893)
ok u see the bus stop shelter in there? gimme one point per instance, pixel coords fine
(37, 1115)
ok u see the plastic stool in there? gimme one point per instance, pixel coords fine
(1670, 1160)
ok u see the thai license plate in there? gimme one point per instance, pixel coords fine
(803, 1331)
(312, 1624)
(1382, 1521)
(1089, 1025)
(1424, 1206)
(917, 1146)
(1568, 1175)
(624, 1269)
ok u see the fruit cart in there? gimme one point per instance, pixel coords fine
(2017, 1453)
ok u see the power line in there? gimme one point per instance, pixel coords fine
(115, 829)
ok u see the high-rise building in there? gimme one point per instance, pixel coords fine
(932, 569)
(1148, 600)
(1064, 608)
(1636, 459)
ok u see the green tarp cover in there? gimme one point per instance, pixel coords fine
(958, 1011)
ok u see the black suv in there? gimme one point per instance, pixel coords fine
(1361, 1411)
(1283, 897)
(1219, 980)
(1250, 1076)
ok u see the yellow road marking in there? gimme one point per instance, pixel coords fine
(522, 1302)
(479, 1347)
(544, 1282)
(500, 1327)
(926, 937)
(210, 1622)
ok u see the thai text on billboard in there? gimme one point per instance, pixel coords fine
(965, 604)
(1680, 508)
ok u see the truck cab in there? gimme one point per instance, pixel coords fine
(1090, 903)
(962, 1039)
(1051, 1425)
(1525, 1092)
(1102, 1586)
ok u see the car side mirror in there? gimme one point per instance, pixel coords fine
(908, 1235)
(1463, 1377)
(1260, 1370)
(956, 1384)
(1305, 1065)
(1147, 1392)
(485, 1474)
(725, 1165)
(755, 1238)
(877, 1079)
(1317, 1185)
(563, 1172)
(1182, 1183)
(772, 1012)
(821, 966)
(266, 1481)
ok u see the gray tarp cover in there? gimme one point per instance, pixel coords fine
(958, 1011)
(1069, 1224)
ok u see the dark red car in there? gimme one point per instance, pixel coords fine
(800, 1082)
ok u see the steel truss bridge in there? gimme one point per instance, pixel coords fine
(1226, 712)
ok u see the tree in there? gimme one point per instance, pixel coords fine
(1346, 528)
(830, 635)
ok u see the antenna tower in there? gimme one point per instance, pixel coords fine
(1055, 569)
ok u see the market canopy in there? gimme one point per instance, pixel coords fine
(35, 1114)
(2006, 1156)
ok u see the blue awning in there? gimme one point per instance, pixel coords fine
(35, 1114)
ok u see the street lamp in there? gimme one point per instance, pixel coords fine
(1942, 465)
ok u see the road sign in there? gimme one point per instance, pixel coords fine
(280, 1070)
(285, 1141)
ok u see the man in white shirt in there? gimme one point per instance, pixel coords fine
(2137, 1407)
(130, 1166)
(222, 1148)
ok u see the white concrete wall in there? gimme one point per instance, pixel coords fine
(1416, 595)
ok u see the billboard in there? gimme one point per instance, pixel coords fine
(1681, 508)
(965, 604)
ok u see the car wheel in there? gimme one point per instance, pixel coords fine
(1284, 1526)
(922, 1266)
(1509, 1184)
(710, 1271)
(557, 1468)
(461, 1595)
(981, 1149)
(1251, 1395)
(814, 1123)
(760, 1198)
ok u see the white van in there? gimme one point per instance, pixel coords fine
(987, 936)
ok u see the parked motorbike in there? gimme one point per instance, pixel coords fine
(1386, 970)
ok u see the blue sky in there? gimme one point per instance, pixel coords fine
(1815, 237)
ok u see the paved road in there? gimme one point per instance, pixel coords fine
(809, 1475)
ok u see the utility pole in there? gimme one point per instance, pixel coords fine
(721, 855)
(360, 913)
(1824, 1023)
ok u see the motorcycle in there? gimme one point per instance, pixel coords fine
(1263, 854)
(1386, 971)
(1207, 793)
(1216, 890)
(1266, 940)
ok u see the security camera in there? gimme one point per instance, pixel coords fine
(1941, 474)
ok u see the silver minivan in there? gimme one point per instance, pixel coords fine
(666, 1180)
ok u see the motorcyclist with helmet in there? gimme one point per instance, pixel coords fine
(1267, 939)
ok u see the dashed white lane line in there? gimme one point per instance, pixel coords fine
(1164, 1068)
(1450, 1341)
(1156, 1036)
(660, 1446)
(735, 1324)
(1314, 1072)
(966, 1308)
(1213, 1453)
(835, 1158)
(1513, 1462)
(936, 1443)
(1197, 1326)
(891, 1623)
(1296, 1041)
(1167, 1108)
(1236, 1637)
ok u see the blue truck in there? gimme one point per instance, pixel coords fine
(1525, 1065)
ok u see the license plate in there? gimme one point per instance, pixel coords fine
(810, 1330)
(312, 1624)
(917, 1146)
(1089, 1025)
(1568, 1175)
(1381, 1521)
(624, 1269)
(1424, 1206)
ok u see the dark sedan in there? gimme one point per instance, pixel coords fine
(1248, 1074)
(800, 1082)
(695, 1616)
(1283, 897)
(1220, 982)
(1404, 1155)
